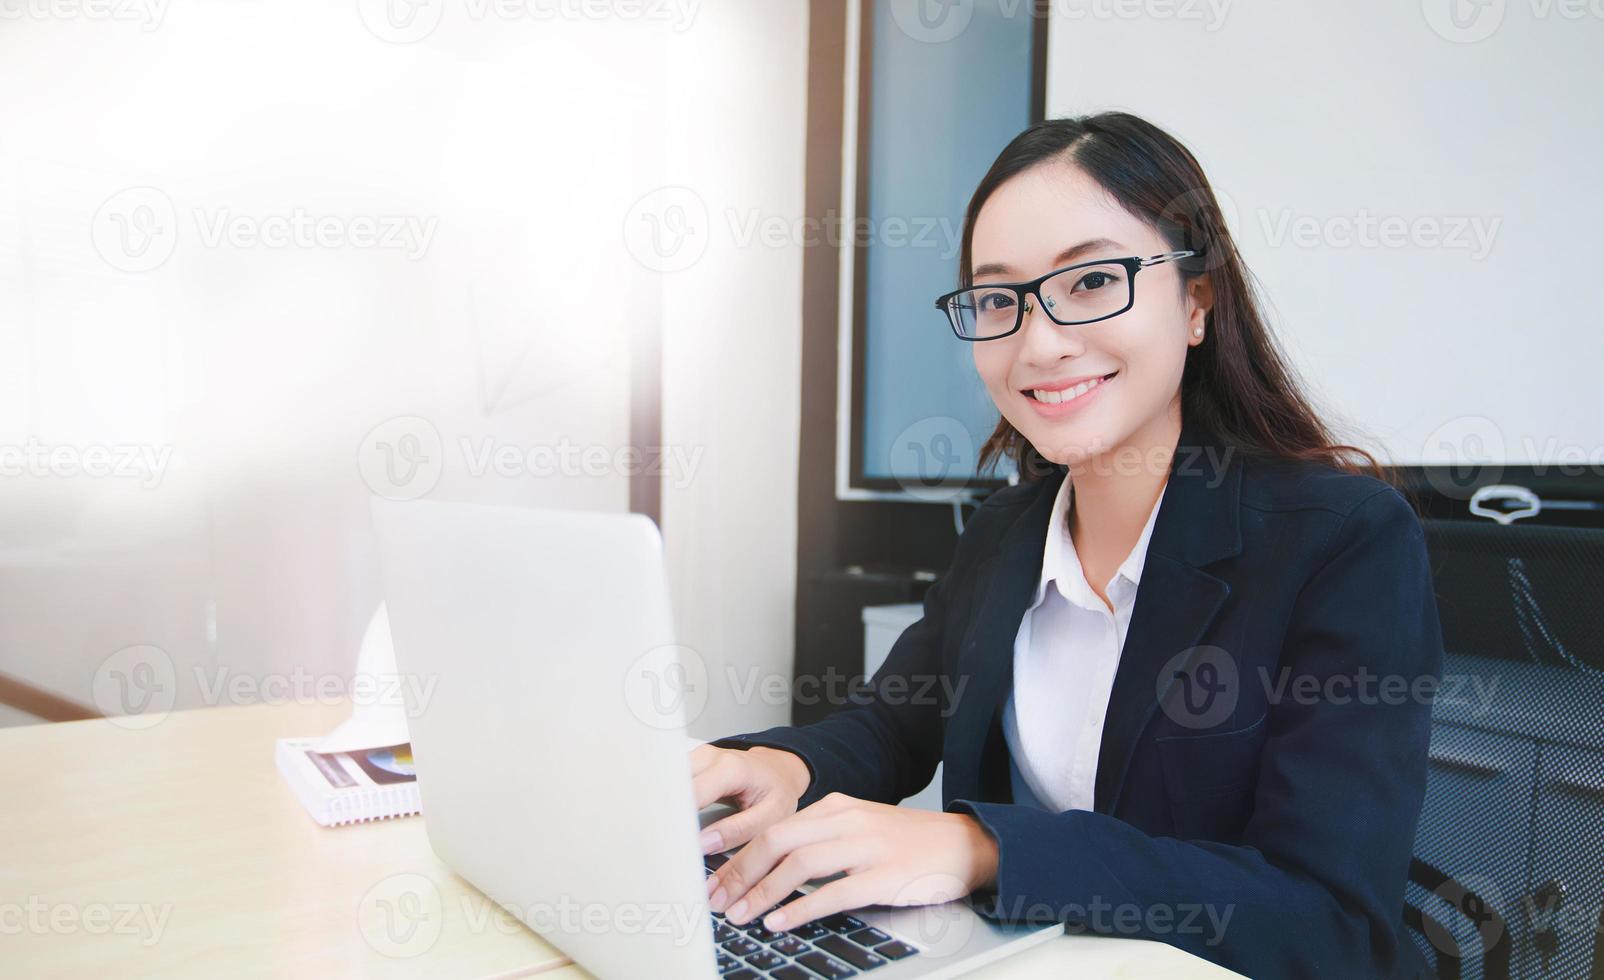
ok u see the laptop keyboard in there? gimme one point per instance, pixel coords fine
(838, 946)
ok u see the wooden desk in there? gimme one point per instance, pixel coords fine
(178, 849)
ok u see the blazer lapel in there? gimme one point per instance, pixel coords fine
(986, 657)
(1176, 601)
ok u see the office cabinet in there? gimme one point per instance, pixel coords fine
(1476, 825)
(1566, 888)
(881, 627)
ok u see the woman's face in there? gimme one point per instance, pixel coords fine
(1129, 366)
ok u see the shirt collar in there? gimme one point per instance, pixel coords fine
(1061, 564)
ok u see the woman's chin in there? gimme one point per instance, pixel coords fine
(1065, 444)
(1066, 452)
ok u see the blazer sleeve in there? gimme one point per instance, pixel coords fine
(886, 745)
(1316, 888)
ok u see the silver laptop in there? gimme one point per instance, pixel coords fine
(548, 787)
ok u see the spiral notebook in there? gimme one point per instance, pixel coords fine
(349, 787)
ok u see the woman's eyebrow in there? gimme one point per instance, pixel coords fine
(1066, 257)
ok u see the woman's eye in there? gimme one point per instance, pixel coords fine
(992, 302)
(1094, 280)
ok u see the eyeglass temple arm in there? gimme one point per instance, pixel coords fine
(1169, 257)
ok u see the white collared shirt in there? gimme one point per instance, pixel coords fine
(1065, 655)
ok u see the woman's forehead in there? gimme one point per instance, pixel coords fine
(1033, 217)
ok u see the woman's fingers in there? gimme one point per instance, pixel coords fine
(768, 847)
(841, 895)
(723, 777)
(889, 855)
(758, 783)
(738, 828)
(795, 869)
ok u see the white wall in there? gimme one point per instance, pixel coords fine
(270, 382)
(731, 352)
(1418, 195)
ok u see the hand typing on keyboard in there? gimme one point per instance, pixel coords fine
(837, 947)
(890, 856)
(763, 783)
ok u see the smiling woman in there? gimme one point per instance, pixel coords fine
(1131, 188)
(1186, 525)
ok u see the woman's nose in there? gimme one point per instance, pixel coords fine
(1045, 340)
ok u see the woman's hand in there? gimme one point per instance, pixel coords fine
(891, 856)
(764, 783)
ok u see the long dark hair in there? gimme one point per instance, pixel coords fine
(1236, 383)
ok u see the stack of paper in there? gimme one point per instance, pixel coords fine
(363, 769)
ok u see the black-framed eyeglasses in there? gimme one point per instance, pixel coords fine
(1082, 293)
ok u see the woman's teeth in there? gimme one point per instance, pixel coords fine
(1067, 394)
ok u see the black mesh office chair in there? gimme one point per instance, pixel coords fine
(1508, 877)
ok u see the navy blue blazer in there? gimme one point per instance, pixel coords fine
(1263, 758)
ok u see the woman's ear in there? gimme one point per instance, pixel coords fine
(1200, 299)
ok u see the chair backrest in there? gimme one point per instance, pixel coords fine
(1530, 594)
(1514, 811)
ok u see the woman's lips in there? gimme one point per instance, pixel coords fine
(1071, 398)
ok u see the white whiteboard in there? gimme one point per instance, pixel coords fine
(1416, 187)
